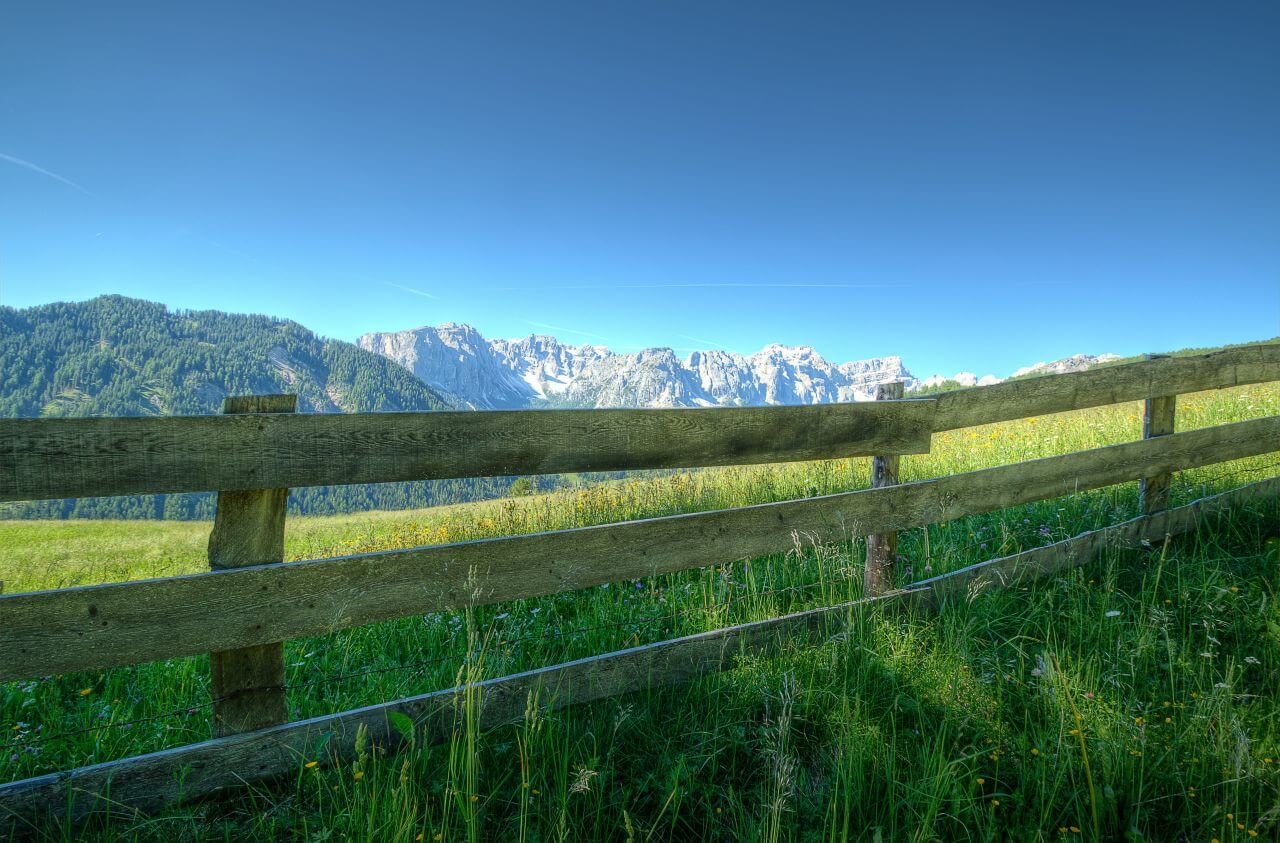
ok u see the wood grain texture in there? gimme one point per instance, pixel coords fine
(150, 782)
(63, 458)
(247, 683)
(882, 548)
(43, 633)
(1108, 385)
(1158, 419)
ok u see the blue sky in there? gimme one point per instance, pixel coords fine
(972, 186)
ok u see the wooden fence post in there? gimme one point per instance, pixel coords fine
(248, 529)
(1157, 420)
(882, 548)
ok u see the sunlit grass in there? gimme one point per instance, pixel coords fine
(1020, 714)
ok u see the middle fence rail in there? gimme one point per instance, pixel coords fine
(259, 602)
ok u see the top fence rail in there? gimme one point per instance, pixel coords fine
(1249, 364)
(64, 458)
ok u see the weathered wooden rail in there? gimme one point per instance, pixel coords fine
(260, 449)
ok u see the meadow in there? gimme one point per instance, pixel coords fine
(1137, 697)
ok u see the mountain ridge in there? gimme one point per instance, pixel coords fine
(540, 370)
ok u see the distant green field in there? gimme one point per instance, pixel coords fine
(1137, 696)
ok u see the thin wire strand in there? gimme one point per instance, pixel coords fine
(185, 711)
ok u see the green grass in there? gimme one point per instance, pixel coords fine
(1012, 716)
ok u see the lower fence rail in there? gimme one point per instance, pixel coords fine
(154, 781)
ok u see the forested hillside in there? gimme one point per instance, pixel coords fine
(116, 356)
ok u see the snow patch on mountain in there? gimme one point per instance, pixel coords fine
(1075, 363)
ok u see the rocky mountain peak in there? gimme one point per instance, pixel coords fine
(539, 370)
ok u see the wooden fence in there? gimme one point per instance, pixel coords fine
(250, 601)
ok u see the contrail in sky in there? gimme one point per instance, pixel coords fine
(566, 330)
(35, 168)
(710, 343)
(733, 285)
(416, 292)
